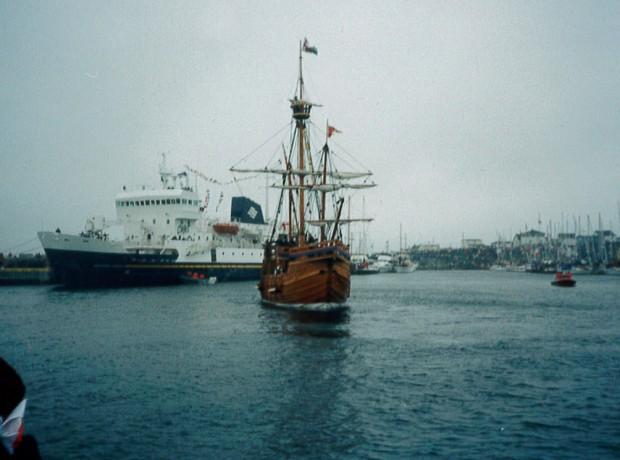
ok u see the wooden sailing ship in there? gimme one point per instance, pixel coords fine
(305, 260)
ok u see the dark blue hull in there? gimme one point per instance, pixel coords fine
(92, 269)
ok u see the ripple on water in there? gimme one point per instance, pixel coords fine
(436, 364)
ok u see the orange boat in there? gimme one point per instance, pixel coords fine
(226, 229)
(305, 261)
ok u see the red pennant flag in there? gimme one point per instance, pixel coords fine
(331, 130)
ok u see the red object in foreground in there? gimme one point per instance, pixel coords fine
(564, 279)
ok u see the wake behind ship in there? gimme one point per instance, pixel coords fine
(167, 238)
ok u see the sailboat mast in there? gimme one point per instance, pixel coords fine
(301, 77)
(267, 198)
(301, 188)
(301, 112)
(290, 195)
(349, 226)
(324, 181)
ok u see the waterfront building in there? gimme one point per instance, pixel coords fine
(472, 243)
(567, 247)
(427, 248)
(530, 238)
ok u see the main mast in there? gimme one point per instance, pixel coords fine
(301, 112)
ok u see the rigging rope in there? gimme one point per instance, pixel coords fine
(359, 163)
(263, 144)
(20, 244)
(29, 250)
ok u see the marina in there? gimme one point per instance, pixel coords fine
(497, 256)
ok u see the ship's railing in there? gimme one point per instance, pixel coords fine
(312, 249)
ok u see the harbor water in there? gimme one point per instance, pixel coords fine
(428, 364)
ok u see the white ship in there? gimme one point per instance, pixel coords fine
(167, 237)
(382, 263)
(403, 264)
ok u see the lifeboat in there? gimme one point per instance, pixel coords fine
(226, 229)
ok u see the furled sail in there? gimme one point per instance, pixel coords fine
(319, 223)
(323, 187)
(305, 172)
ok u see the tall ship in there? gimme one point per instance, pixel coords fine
(305, 261)
(167, 237)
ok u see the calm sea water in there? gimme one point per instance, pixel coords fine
(428, 364)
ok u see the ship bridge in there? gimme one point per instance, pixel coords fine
(154, 215)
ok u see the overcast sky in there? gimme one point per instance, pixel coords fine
(475, 116)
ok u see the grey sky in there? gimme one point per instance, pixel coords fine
(474, 116)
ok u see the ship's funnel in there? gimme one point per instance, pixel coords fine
(246, 211)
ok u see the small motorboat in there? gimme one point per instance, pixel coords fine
(563, 278)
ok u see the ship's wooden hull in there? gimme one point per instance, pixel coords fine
(306, 275)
